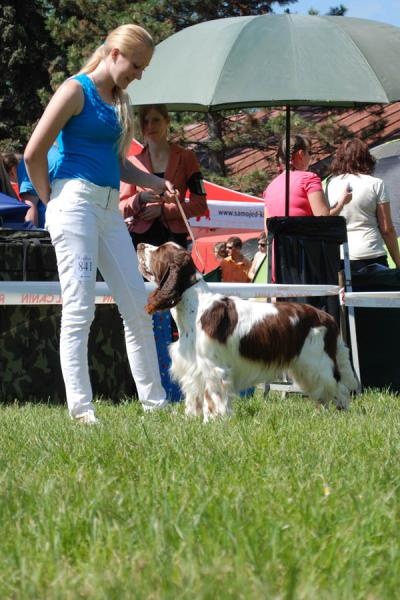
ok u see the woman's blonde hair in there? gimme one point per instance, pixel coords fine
(126, 38)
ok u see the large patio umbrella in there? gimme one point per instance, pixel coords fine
(274, 60)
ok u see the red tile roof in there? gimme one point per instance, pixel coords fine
(375, 124)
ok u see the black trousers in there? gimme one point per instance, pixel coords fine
(158, 234)
(367, 264)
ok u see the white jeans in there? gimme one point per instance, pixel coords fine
(88, 231)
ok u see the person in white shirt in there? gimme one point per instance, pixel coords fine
(368, 217)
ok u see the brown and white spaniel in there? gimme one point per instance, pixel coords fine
(227, 344)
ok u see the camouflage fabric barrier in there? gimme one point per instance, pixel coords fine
(29, 335)
(30, 360)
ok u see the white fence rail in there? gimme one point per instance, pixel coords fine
(49, 292)
(372, 299)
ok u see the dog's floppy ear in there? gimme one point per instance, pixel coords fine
(173, 283)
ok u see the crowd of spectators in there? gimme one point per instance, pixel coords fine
(351, 191)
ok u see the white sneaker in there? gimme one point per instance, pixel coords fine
(155, 406)
(88, 418)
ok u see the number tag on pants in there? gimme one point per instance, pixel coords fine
(83, 267)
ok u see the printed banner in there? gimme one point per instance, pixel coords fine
(235, 215)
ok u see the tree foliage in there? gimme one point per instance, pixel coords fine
(337, 11)
(190, 12)
(45, 41)
(232, 133)
(79, 26)
(334, 11)
(27, 51)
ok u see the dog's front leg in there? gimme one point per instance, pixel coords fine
(193, 405)
(217, 395)
(193, 391)
(186, 373)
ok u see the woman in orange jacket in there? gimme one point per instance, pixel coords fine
(150, 219)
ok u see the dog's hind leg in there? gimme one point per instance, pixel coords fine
(340, 377)
(321, 383)
(314, 372)
(193, 405)
(347, 381)
(347, 375)
(319, 387)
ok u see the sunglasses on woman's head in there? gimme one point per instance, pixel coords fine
(261, 244)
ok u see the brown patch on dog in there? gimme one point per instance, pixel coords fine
(219, 321)
(199, 406)
(210, 403)
(277, 340)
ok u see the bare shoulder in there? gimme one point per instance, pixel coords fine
(70, 92)
(67, 102)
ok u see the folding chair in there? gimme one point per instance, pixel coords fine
(306, 250)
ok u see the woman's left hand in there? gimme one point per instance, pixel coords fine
(150, 212)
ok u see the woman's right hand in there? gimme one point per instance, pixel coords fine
(170, 193)
(345, 198)
(347, 195)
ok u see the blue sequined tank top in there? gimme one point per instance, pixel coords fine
(88, 143)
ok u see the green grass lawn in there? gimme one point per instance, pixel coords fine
(281, 501)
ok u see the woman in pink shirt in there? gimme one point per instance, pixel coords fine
(307, 198)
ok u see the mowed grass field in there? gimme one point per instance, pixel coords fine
(282, 501)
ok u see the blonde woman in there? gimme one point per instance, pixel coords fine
(90, 117)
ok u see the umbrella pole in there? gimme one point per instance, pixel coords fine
(287, 158)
